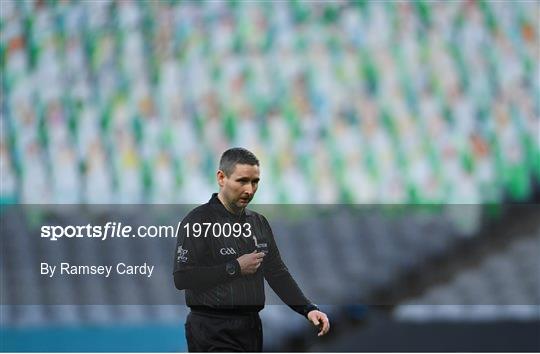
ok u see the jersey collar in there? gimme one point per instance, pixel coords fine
(216, 203)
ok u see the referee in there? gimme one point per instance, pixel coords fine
(223, 254)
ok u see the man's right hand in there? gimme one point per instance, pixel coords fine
(250, 262)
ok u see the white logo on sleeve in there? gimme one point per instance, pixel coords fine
(181, 255)
(228, 251)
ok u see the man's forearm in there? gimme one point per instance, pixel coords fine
(289, 292)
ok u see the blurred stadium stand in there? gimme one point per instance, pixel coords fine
(350, 102)
(129, 101)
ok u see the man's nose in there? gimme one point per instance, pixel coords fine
(249, 190)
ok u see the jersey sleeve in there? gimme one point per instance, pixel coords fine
(189, 251)
(280, 280)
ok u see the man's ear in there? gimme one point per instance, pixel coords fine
(220, 176)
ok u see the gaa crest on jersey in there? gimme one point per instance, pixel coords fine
(227, 251)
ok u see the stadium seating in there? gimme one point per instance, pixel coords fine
(353, 102)
(506, 282)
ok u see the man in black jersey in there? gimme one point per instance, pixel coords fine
(223, 254)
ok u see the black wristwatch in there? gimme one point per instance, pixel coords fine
(232, 268)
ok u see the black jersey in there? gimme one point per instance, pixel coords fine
(209, 241)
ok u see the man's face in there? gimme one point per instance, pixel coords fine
(239, 188)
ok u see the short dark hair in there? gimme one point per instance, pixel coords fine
(234, 156)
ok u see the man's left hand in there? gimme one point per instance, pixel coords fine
(320, 320)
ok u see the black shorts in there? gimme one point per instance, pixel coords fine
(223, 333)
